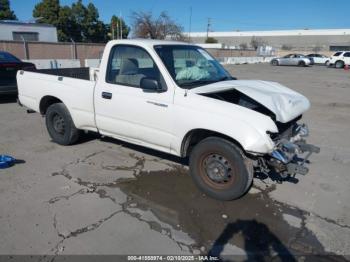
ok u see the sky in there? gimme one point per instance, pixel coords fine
(225, 15)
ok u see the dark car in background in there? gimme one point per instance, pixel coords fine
(9, 65)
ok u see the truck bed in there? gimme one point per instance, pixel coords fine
(72, 86)
(79, 73)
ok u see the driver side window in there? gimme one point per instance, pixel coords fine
(128, 65)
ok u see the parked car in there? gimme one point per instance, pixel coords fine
(340, 59)
(176, 98)
(9, 65)
(319, 59)
(293, 60)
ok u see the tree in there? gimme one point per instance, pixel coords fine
(67, 28)
(286, 47)
(47, 11)
(211, 40)
(243, 46)
(76, 22)
(255, 42)
(146, 26)
(115, 28)
(5, 11)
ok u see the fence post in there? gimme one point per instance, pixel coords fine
(74, 49)
(25, 47)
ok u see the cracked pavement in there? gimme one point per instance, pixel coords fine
(103, 196)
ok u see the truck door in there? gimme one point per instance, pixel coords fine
(125, 111)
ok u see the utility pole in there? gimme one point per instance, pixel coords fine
(208, 26)
(190, 26)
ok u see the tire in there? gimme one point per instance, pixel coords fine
(274, 63)
(326, 63)
(60, 125)
(220, 169)
(339, 64)
(301, 63)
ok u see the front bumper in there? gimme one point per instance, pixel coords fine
(290, 155)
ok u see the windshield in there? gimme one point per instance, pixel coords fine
(191, 66)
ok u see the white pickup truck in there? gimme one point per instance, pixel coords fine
(176, 98)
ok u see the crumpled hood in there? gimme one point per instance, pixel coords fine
(285, 103)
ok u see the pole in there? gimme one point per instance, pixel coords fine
(25, 47)
(190, 26)
(208, 26)
(121, 25)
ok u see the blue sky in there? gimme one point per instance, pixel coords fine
(225, 15)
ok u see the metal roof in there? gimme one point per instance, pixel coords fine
(14, 22)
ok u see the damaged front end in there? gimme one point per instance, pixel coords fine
(291, 152)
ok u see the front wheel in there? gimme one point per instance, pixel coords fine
(219, 169)
(60, 125)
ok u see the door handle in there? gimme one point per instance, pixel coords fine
(106, 95)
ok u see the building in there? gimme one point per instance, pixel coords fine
(307, 39)
(20, 31)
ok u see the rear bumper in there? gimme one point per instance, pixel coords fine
(8, 89)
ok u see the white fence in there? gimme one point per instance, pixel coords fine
(244, 60)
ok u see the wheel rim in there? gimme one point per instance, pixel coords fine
(58, 124)
(217, 171)
(339, 65)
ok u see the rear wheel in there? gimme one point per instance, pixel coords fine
(301, 63)
(219, 169)
(339, 64)
(326, 63)
(60, 125)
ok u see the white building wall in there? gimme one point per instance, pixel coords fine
(45, 33)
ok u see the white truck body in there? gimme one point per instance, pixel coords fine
(164, 120)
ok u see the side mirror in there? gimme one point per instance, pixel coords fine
(150, 85)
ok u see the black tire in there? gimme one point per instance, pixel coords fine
(274, 63)
(234, 172)
(339, 64)
(301, 63)
(60, 125)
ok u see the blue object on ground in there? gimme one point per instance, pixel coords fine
(6, 161)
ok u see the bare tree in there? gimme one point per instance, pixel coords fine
(255, 42)
(146, 26)
(317, 49)
(243, 46)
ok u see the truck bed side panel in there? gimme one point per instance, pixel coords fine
(76, 94)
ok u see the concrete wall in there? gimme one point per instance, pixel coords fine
(45, 33)
(46, 50)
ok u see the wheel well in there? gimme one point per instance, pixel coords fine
(47, 101)
(193, 137)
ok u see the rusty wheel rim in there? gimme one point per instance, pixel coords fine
(217, 171)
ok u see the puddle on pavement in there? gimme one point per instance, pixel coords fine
(254, 223)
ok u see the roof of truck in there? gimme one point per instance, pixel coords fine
(148, 42)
